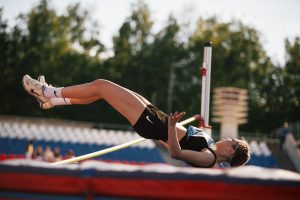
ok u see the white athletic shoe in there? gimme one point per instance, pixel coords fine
(35, 88)
(48, 104)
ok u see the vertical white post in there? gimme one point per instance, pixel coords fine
(205, 94)
(203, 72)
(208, 47)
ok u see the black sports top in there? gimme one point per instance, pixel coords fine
(153, 124)
(196, 140)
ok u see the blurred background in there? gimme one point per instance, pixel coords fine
(156, 49)
(140, 44)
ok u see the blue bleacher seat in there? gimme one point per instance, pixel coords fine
(263, 161)
(131, 154)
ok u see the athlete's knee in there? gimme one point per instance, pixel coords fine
(99, 83)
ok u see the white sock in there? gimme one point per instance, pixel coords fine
(52, 92)
(60, 101)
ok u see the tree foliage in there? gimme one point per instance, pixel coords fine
(160, 66)
(291, 77)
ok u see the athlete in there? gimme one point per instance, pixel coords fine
(191, 145)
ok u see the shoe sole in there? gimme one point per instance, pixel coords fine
(26, 89)
(31, 93)
(40, 78)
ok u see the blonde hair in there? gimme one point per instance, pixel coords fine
(241, 155)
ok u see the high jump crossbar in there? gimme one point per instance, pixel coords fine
(115, 148)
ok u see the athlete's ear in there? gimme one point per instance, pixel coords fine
(230, 150)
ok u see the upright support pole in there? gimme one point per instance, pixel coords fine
(205, 93)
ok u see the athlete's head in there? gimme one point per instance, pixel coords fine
(234, 151)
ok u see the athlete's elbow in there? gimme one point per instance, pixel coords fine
(175, 155)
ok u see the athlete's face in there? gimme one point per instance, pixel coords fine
(228, 145)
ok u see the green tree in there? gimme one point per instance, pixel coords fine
(144, 61)
(129, 43)
(57, 46)
(161, 66)
(279, 93)
(163, 62)
(292, 80)
(239, 60)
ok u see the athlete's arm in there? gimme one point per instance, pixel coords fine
(172, 133)
(204, 158)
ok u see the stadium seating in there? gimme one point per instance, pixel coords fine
(261, 155)
(14, 136)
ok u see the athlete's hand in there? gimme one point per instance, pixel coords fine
(174, 118)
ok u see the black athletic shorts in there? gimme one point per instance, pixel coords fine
(152, 124)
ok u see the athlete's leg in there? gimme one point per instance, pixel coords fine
(143, 99)
(92, 100)
(120, 98)
(84, 101)
(95, 98)
(62, 101)
(42, 80)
